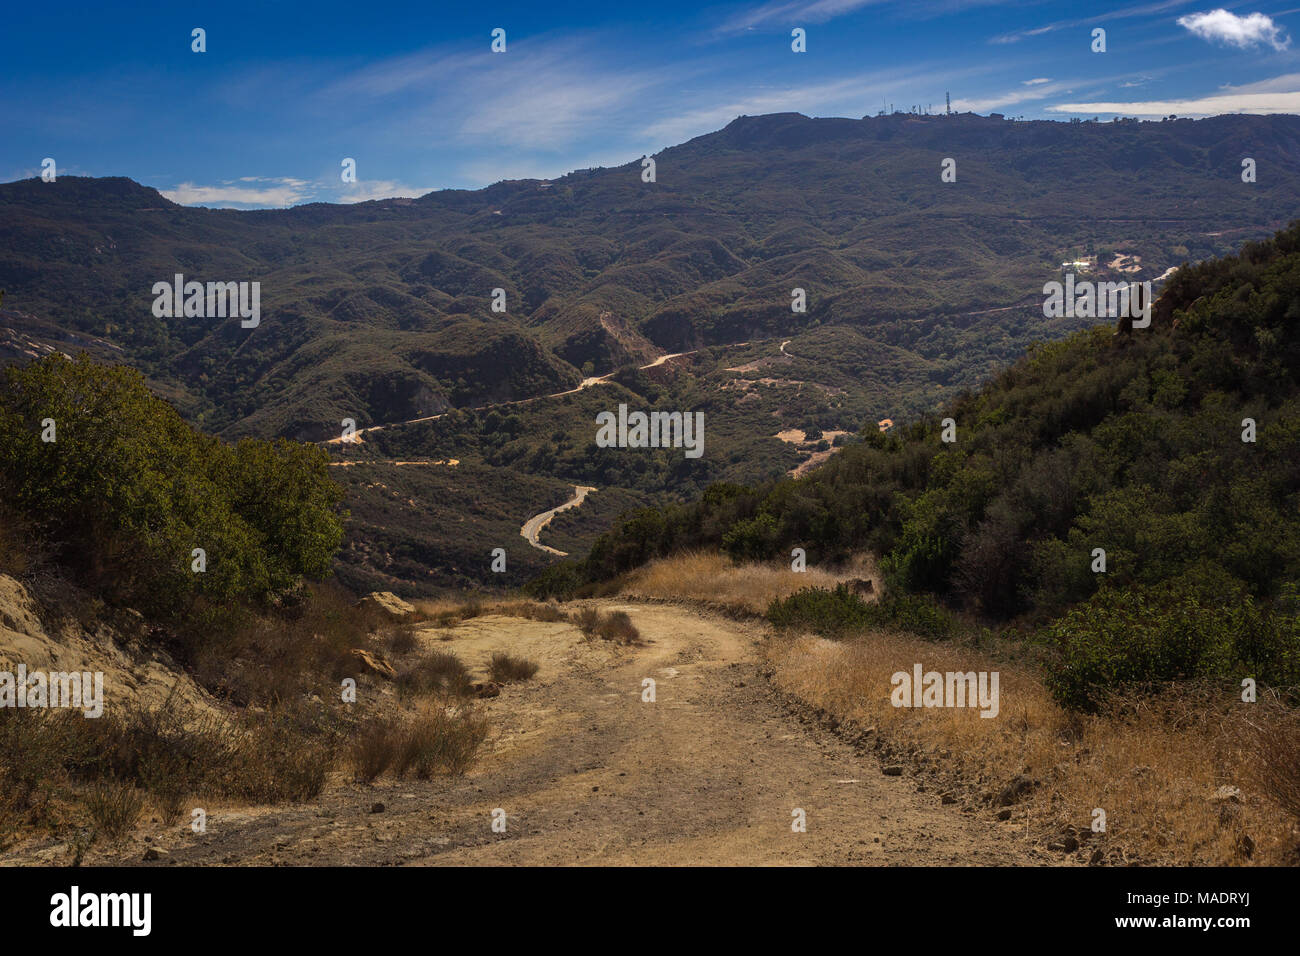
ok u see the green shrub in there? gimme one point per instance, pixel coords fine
(127, 490)
(839, 612)
(1197, 626)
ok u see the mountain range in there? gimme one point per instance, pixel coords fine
(381, 312)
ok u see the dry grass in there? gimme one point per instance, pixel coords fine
(616, 626)
(715, 580)
(506, 668)
(439, 672)
(447, 612)
(1151, 763)
(437, 740)
(57, 767)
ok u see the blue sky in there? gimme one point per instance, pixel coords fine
(286, 91)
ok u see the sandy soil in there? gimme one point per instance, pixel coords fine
(589, 773)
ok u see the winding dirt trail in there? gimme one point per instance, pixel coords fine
(534, 525)
(356, 438)
(587, 772)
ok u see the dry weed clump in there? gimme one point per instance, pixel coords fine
(506, 668)
(615, 626)
(438, 740)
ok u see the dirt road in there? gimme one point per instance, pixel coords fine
(587, 772)
(534, 525)
(357, 436)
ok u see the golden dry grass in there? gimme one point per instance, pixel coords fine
(1152, 764)
(716, 580)
(445, 612)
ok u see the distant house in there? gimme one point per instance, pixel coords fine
(885, 424)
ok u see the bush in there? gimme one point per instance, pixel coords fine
(115, 808)
(615, 626)
(505, 668)
(441, 672)
(1197, 626)
(839, 612)
(374, 748)
(442, 741)
(127, 490)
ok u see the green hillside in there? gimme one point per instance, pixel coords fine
(1173, 449)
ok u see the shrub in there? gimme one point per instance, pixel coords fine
(441, 672)
(440, 741)
(127, 489)
(1194, 626)
(401, 640)
(615, 626)
(374, 748)
(839, 612)
(505, 668)
(115, 808)
(587, 619)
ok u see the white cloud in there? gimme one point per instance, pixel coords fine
(266, 192)
(1244, 33)
(1232, 102)
(982, 104)
(1037, 81)
(280, 192)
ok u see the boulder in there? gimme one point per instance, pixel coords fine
(374, 663)
(387, 604)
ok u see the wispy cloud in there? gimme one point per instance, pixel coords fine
(269, 192)
(792, 13)
(378, 189)
(1220, 26)
(542, 94)
(852, 96)
(1040, 90)
(1037, 81)
(1142, 10)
